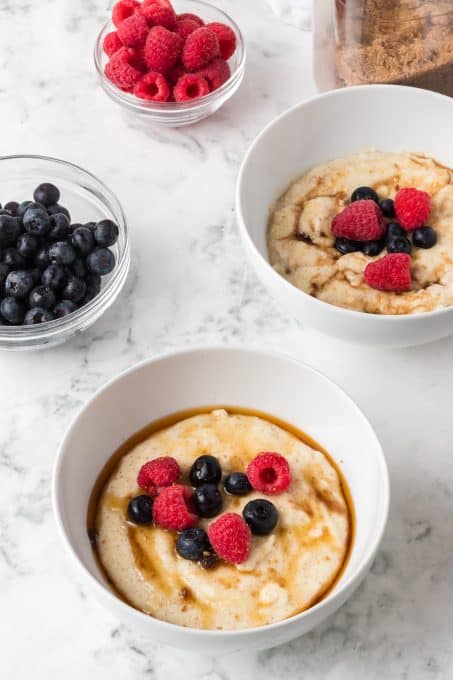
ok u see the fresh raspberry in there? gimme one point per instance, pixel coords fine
(162, 49)
(111, 43)
(216, 73)
(184, 27)
(133, 31)
(173, 508)
(226, 37)
(200, 48)
(124, 68)
(412, 208)
(269, 472)
(122, 10)
(192, 17)
(391, 272)
(190, 86)
(230, 537)
(359, 221)
(158, 13)
(153, 87)
(160, 471)
(175, 73)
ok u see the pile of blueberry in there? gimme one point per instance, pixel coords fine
(396, 239)
(48, 266)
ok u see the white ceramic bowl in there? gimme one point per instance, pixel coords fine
(200, 377)
(332, 125)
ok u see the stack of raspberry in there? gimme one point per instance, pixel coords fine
(162, 56)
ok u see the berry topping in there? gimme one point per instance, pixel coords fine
(261, 516)
(162, 49)
(158, 13)
(140, 510)
(122, 10)
(387, 207)
(364, 194)
(345, 245)
(152, 87)
(133, 31)
(237, 483)
(230, 537)
(395, 230)
(359, 221)
(205, 470)
(200, 48)
(190, 86)
(391, 273)
(373, 248)
(173, 508)
(226, 37)
(269, 472)
(208, 500)
(192, 544)
(111, 43)
(399, 244)
(46, 194)
(158, 472)
(216, 73)
(424, 237)
(412, 207)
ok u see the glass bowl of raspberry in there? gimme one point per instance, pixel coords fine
(170, 65)
(64, 250)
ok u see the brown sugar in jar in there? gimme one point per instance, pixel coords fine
(405, 42)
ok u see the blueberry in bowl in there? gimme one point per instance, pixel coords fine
(64, 251)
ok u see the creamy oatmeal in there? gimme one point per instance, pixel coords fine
(301, 243)
(287, 570)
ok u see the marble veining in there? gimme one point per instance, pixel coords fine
(190, 284)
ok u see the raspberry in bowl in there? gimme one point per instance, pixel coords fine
(64, 251)
(221, 526)
(170, 64)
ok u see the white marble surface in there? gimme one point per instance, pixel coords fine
(191, 285)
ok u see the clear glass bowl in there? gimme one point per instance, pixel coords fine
(177, 114)
(87, 199)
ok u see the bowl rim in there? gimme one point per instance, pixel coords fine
(151, 107)
(41, 330)
(332, 596)
(244, 231)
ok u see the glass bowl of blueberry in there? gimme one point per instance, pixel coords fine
(64, 251)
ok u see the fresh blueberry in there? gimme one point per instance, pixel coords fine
(78, 268)
(75, 289)
(191, 544)
(364, 194)
(4, 271)
(37, 315)
(373, 248)
(18, 284)
(60, 227)
(47, 194)
(399, 244)
(22, 207)
(35, 274)
(106, 233)
(62, 252)
(101, 261)
(63, 308)
(3, 211)
(208, 500)
(387, 207)
(395, 230)
(12, 207)
(82, 240)
(57, 208)
(54, 277)
(140, 509)
(36, 221)
(12, 258)
(13, 310)
(424, 237)
(261, 516)
(75, 225)
(90, 225)
(345, 245)
(10, 228)
(93, 284)
(42, 259)
(237, 483)
(27, 245)
(42, 297)
(205, 470)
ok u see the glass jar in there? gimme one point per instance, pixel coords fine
(404, 42)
